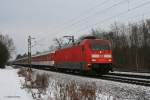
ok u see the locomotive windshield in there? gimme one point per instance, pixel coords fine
(100, 46)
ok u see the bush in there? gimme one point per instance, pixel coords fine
(74, 91)
(41, 81)
(4, 55)
(21, 72)
(6, 49)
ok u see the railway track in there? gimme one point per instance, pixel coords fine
(123, 78)
(131, 79)
(130, 75)
(143, 80)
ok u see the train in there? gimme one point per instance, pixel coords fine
(91, 55)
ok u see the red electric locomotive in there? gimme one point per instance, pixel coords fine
(90, 55)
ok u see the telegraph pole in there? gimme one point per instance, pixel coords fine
(30, 51)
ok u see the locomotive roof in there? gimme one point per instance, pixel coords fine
(98, 40)
(89, 37)
(102, 40)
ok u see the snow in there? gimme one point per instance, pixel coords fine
(10, 85)
(105, 90)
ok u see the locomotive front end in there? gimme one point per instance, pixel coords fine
(101, 56)
(101, 52)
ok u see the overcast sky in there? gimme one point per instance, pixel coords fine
(49, 19)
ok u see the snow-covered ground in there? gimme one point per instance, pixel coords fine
(10, 85)
(105, 90)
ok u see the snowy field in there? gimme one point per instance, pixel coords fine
(10, 86)
(104, 90)
(67, 86)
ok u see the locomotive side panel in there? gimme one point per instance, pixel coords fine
(70, 58)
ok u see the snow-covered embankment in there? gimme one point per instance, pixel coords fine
(10, 85)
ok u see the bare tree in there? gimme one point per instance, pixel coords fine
(6, 49)
(58, 42)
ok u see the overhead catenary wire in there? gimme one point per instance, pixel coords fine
(80, 15)
(139, 15)
(119, 14)
(99, 12)
(111, 17)
(84, 12)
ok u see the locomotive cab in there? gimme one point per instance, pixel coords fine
(98, 55)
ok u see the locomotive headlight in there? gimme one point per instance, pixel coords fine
(108, 56)
(109, 60)
(93, 59)
(95, 55)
